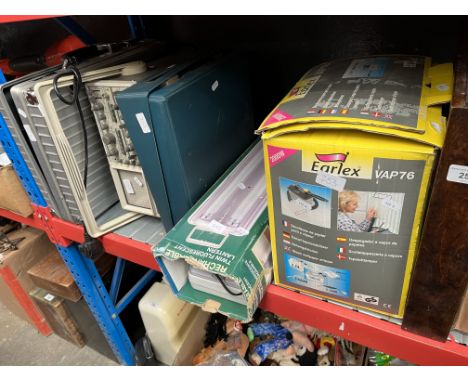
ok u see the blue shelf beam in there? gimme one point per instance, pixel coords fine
(131, 294)
(117, 279)
(75, 29)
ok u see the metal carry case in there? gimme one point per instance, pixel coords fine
(124, 164)
(20, 126)
(187, 127)
(61, 141)
(62, 163)
(14, 125)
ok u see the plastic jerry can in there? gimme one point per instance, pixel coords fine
(175, 328)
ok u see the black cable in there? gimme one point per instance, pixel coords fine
(77, 84)
(226, 287)
(91, 247)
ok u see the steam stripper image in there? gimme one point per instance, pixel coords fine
(305, 202)
(304, 197)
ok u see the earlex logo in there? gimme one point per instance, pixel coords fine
(336, 157)
(337, 169)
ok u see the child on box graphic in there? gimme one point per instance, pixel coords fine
(348, 202)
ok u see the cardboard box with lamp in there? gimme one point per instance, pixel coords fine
(218, 255)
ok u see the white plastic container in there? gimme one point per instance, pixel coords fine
(175, 328)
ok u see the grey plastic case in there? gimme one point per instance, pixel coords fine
(15, 127)
(207, 282)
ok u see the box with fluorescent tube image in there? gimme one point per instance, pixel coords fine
(219, 255)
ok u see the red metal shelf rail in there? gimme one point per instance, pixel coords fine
(363, 329)
(32, 221)
(19, 18)
(343, 322)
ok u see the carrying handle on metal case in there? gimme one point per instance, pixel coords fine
(192, 240)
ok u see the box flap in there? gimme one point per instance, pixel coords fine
(434, 135)
(391, 93)
(439, 85)
(343, 142)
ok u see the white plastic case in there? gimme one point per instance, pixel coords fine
(63, 137)
(127, 173)
(175, 328)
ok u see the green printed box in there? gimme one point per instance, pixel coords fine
(219, 255)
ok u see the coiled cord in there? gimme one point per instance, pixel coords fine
(226, 287)
(69, 69)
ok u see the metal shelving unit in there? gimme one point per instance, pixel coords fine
(102, 304)
(371, 331)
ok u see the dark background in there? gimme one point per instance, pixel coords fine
(280, 48)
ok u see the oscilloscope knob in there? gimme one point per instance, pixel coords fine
(108, 139)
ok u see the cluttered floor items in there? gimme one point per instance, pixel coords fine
(270, 340)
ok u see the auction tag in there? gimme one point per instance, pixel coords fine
(458, 173)
(138, 181)
(128, 186)
(331, 181)
(392, 204)
(31, 135)
(22, 113)
(143, 123)
(217, 227)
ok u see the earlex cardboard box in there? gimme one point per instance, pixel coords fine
(219, 256)
(349, 154)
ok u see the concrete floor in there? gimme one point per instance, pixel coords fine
(22, 345)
